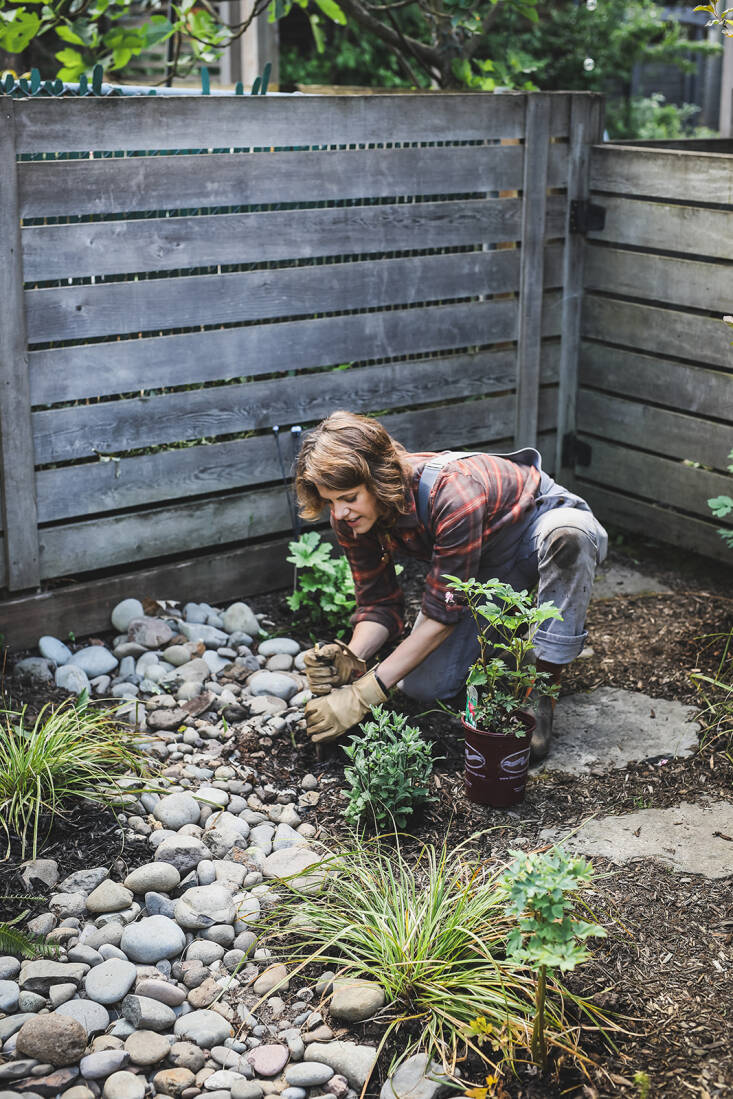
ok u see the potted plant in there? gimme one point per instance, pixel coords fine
(497, 724)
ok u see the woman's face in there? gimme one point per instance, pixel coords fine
(357, 507)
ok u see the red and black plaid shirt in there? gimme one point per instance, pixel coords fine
(471, 500)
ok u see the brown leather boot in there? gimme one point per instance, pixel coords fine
(544, 712)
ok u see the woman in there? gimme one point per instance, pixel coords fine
(476, 515)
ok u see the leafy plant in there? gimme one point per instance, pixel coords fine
(643, 1084)
(24, 945)
(721, 506)
(324, 587)
(506, 622)
(390, 770)
(73, 752)
(652, 118)
(716, 691)
(541, 888)
(433, 932)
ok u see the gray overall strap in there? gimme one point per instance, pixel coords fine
(431, 469)
(429, 476)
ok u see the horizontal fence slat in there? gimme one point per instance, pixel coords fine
(116, 540)
(664, 524)
(655, 429)
(122, 185)
(164, 244)
(660, 381)
(663, 226)
(659, 480)
(89, 311)
(95, 487)
(95, 370)
(692, 284)
(626, 170)
(49, 125)
(662, 331)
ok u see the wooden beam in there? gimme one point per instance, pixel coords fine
(16, 442)
(586, 127)
(536, 155)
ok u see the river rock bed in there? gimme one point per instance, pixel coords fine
(161, 986)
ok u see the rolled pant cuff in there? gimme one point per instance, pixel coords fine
(558, 650)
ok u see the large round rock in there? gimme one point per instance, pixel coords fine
(110, 982)
(157, 877)
(151, 939)
(175, 810)
(52, 1039)
(183, 852)
(205, 1028)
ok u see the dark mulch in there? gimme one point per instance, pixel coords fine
(668, 959)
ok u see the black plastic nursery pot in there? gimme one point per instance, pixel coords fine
(497, 764)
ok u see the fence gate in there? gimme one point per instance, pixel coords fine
(654, 412)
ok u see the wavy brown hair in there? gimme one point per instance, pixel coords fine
(344, 451)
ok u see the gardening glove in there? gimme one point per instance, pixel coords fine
(329, 666)
(329, 717)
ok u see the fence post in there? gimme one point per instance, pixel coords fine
(586, 130)
(532, 255)
(20, 517)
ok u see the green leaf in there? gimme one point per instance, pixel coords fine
(16, 34)
(66, 34)
(332, 11)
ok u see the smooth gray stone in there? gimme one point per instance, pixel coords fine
(158, 904)
(108, 951)
(158, 877)
(247, 1089)
(349, 1059)
(12, 1024)
(183, 852)
(109, 896)
(175, 810)
(151, 939)
(54, 650)
(32, 1001)
(92, 1016)
(124, 1085)
(38, 976)
(147, 1014)
(124, 612)
(110, 982)
(417, 1078)
(9, 967)
(205, 1028)
(84, 881)
(94, 660)
(35, 669)
(97, 1066)
(278, 684)
(240, 618)
(274, 646)
(9, 993)
(83, 953)
(69, 677)
(308, 1074)
(212, 637)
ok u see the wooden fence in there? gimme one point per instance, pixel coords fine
(655, 396)
(177, 276)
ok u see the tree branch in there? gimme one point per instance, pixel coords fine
(429, 57)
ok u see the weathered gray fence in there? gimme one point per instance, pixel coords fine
(655, 397)
(180, 275)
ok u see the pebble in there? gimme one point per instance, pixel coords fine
(94, 660)
(145, 1013)
(93, 1017)
(167, 993)
(203, 951)
(9, 967)
(183, 852)
(110, 896)
(309, 1074)
(60, 994)
(175, 810)
(205, 1028)
(186, 1055)
(353, 1001)
(52, 1039)
(247, 1089)
(222, 1080)
(124, 1085)
(97, 1066)
(109, 982)
(9, 993)
(146, 1047)
(203, 906)
(84, 881)
(268, 1060)
(417, 1078)
(151, 633)
(54, 650)
(124, 613)
(160, 877)
(355, 1062)
(274, 977)
(240, 618)
(31, 1001)
(36, 669)
(278, 684)
(152, 938)
(39, 976)
(173, 1081)
(71, 678)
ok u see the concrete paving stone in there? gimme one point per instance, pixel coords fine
(692, 839)
(616, 579)
(605, 729)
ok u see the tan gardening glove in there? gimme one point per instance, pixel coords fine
(329, 666)
(329, 717)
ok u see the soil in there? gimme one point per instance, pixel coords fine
(666, 965)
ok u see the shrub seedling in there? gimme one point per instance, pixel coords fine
(390, 770)
(540, 889)
(324, 587)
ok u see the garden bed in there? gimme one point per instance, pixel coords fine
(667, 961)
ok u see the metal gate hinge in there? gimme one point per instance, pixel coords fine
(575, 452)
(586, 216)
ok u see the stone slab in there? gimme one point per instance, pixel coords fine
(693, 839)
(604, 729)
(614, 579)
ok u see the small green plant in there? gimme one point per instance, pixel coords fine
(23, 944)
(390, 771)
(643, 1084)
(500, 681)
(74, 752)
(324, 587)
(721, 506)
(716, 692)
(432, 930)
(541, 888)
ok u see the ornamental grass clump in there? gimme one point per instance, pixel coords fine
(390, 771)
(433, 932)
(74, 752)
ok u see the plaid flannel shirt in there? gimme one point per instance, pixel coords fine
(471, 500)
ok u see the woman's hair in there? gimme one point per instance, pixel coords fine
(345, 451)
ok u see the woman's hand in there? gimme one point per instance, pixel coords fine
(333, 665)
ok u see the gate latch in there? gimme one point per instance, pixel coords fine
(575, 452)
(586, 216)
